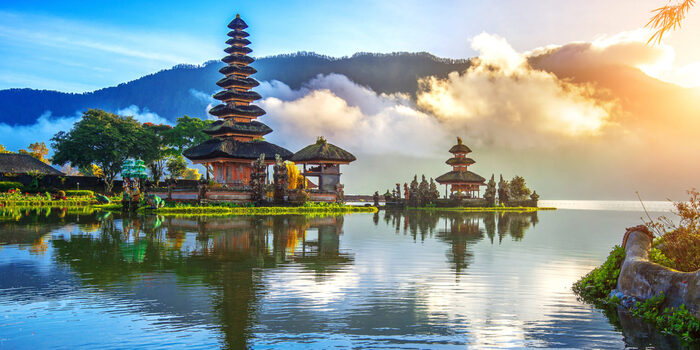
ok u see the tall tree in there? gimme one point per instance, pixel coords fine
(37, 150)
(176, 166)
(100, 138)
(518, 188)
(156, 148)
(187, 133)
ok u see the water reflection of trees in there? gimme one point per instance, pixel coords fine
(225, 254)
(460, 229)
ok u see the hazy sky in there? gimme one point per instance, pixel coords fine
(80, 46)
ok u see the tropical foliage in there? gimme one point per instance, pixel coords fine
(100, 138)
(37, 150)
(679, 243)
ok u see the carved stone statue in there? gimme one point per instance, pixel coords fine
(375, 198)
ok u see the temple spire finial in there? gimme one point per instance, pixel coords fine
(238, 15)
(459, 140)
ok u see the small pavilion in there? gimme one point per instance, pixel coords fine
(325, 160)
(462, 181)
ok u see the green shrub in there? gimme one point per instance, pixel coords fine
(680, 243)
(8, 185)
(669, 320)
(598, 284)
(79, 193)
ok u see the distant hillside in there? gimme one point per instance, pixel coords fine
(168, 92)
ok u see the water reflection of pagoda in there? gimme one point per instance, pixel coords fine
(228, 255)
(237, 136)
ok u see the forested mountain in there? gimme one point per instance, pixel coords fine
(169, 93)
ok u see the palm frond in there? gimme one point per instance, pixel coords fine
(667, 18)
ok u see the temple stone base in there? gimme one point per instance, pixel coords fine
(642, 279)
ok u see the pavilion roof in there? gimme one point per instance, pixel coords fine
(230, 126)
(226, 95)
(460, 147)
(460, 177)
(230, 148)
(460, 161)
(23, 163)
(230, 69)
(322, 151)
(251, 111)
(237, 23)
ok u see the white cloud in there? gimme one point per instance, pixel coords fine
(349, 115)
(143, 116)
(19, 137)
(501, 100)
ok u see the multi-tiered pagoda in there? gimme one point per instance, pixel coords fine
(237, 136)
(462, 181)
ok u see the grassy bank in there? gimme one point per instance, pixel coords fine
(485, 209)
(214, 210)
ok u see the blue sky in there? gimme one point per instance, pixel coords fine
(81, 46)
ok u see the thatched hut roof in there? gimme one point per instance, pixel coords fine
(460, 177)
(237, 23)
(229, 148)
(23, 163)
(460, 147)
(245, 70)
(460, 161)
(254, 128)
(223, 110)
(324, 152)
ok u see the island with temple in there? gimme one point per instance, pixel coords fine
(462, 189)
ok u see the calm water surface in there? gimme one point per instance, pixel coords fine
(85, 280)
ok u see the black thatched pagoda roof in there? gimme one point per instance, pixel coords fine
(238, 34)
(234, 41)
(234, 81)
(238, 59)
(460, 177)
(223, 110)
(460, 147)
(322, 151)
(241, 50)
(23, 163)
(237, 23)
(230, 148)
(226, 95)
(254, 128)
(460, 161)
(236, 69)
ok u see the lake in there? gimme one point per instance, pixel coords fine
(419, 279)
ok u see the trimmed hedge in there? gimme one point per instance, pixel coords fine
(79, 193)
(8, 185)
